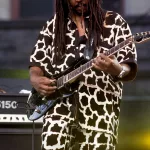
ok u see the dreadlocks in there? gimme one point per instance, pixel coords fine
(62, 12)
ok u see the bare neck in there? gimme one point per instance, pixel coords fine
(79, 21)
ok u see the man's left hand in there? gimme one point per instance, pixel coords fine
(107, 64)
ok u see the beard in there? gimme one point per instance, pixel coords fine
(81, 9)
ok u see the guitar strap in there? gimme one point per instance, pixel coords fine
(89, 50)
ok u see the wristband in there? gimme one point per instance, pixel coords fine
(122, 73)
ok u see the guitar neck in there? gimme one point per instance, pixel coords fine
(78, 71)
(121, 45)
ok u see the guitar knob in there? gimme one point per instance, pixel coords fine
(38, 111)
(87, 57)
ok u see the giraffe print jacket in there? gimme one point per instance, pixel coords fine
(98, 93)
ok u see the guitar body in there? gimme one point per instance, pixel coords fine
(39, 105)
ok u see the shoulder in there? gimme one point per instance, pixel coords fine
(49, 24)
(114, 18)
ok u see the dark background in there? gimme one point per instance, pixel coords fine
(17, 38)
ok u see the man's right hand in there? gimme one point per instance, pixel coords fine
(42, 84)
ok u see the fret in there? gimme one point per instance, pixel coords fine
(74, 72)
(89, 64)
(80, 69)
(65, 78)
(60, 82)
(122, 44)
(119, 46)
(57, 83)
(107, 53)
(69, 76)
(77, 71)
(83, 67)
(92, 62)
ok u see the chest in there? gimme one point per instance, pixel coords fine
(75, 44)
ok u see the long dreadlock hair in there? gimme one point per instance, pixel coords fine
(62, 13)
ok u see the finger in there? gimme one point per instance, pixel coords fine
(97, 67)
(108, 61)
(104, 57)
(43, 93)
(47, 81)
(100, 62)
(52, 80)
(101, 65)
(112, 57)
(46, 93)
(47, 88)
(52, 83)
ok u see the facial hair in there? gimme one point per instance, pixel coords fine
(84, 9)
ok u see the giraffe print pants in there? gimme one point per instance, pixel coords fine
(63, 135)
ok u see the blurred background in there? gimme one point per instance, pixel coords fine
(20, 23)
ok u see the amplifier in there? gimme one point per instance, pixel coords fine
(9, 112)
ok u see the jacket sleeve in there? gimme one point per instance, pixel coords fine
(128, 54)
(41, 55)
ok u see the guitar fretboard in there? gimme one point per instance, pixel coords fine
(119, 46)
(78, 71)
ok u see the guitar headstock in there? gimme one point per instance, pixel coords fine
(141, 37)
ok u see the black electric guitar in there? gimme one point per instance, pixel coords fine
(39, 105)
